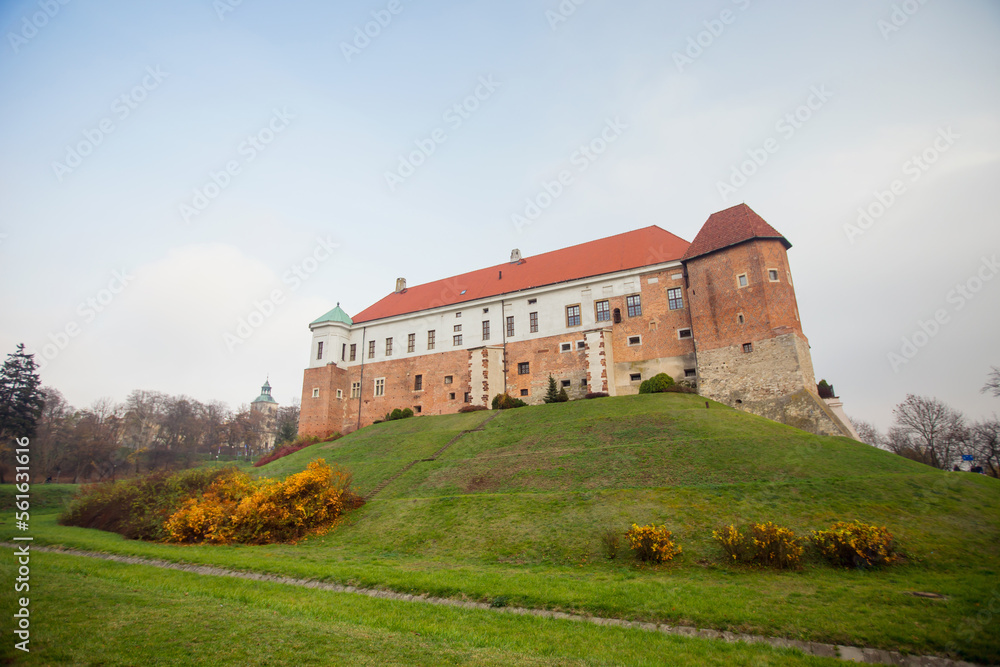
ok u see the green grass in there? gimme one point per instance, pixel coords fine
(97, 612)
(516, 510)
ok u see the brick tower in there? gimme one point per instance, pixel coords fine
(752, 353)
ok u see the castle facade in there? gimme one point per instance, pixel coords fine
(602, 316)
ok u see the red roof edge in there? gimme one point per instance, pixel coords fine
(732, 226)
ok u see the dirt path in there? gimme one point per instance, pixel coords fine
(847, 653)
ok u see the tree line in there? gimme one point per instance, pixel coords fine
(927, 430)
(148, 431)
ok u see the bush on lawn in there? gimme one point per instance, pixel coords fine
(857, 545)
(652, 544)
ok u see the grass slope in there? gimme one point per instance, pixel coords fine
(515, 510)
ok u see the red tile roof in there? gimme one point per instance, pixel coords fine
(730, 227)
(642, 247)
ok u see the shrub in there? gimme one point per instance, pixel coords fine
(656, 384)
(610, 541)
(597, 394)
(855, 544)
(472, 408)
(237, 509)
(763, 544)
(137, 508)
(652, 544)
(300, 442)
(680, 389)
(563, 396)
(507, 402)
(405, 413)
(395, 414)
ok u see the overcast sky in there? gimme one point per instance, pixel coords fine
(169, 169)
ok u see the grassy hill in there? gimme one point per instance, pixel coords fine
(514, 511)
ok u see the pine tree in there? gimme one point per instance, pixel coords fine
(552, 395)
(21, 400)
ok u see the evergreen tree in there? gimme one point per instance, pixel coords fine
(552, 395)
(21, 401)
(563, 396)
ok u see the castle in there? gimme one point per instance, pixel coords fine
(599, 317)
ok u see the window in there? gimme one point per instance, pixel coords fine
(316, 392)
(457, 327)
(675, 299)
(565, 347)
(379, 386)
(524, 368)
(748, 347)
(388, 347)
(581, 345)
(634, 305)
(635, 340)
(572, 316)
(319, 350)
(418, 383)
(741, 280)
(459, 313)
(524, 392)
(448, 379)
(510, 325)
(583, 382)
(739, 318)
(417, 409)
(635, 377)
(690, 372)
(411, 342)
(565, 383)
(603, 310)
(486, 310)
(772, 275)
(340, 393)
(486, 329)
(468, 397)
(343, 351)
(532, 322)
(430, 339)
(355, 390)
(451, 396)
(354, 351)
(456, 340)
(371, 349)
(683, 333)
(532, 302)
(617, 315)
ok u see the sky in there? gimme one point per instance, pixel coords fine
(184, 186)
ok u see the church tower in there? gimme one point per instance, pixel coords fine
(268, 407)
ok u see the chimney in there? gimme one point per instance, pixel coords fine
(515, 256)
(400, 285)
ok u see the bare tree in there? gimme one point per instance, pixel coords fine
(992, 382)
(932, 428)
(986, 445)
(53, 440)
(868, 433)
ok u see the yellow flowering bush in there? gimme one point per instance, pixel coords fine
(856, 544)
(651, 543)
(237, 509)
(764, 544)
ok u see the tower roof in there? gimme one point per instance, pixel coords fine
(730, 227)
(631, 250)
(265, 394)
(335, 315)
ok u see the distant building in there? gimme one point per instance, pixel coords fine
(268, 407)
(599, 317)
